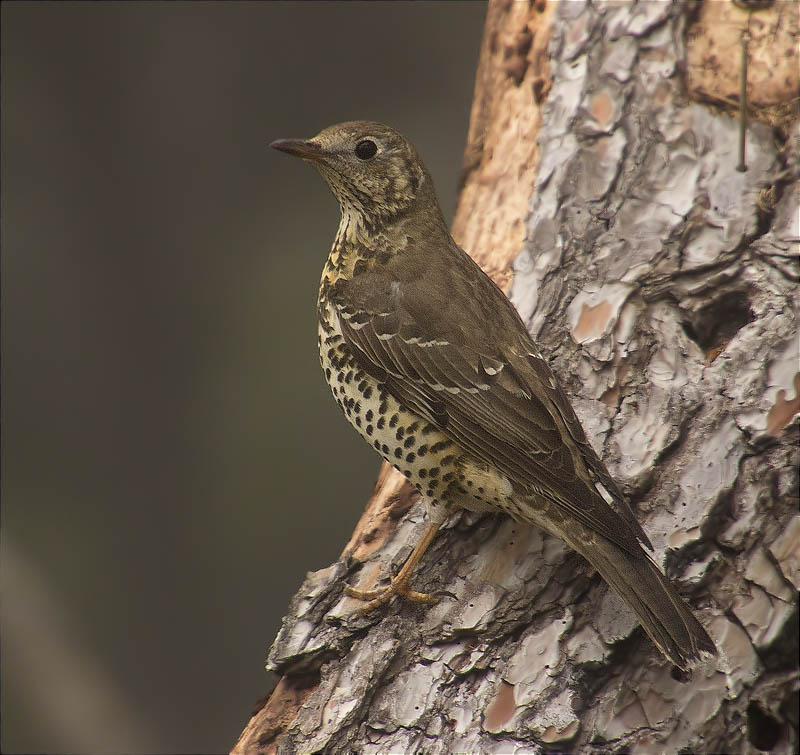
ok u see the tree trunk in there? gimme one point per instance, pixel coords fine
(601, 190)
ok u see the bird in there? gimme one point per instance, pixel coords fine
(433, 366)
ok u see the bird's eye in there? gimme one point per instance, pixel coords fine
(365, 149)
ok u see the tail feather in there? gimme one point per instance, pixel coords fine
(663, 614)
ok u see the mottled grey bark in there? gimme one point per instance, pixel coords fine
(663, 284)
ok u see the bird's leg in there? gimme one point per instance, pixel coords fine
(400, 583)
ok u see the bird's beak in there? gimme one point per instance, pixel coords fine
(307, 149)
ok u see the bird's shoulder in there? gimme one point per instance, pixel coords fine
(432, 292)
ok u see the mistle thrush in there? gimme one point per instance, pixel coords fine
(433, 366)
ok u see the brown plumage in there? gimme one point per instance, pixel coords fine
(434, 367)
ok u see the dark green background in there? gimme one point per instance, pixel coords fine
(172, 461)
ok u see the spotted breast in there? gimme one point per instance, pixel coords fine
(412, 445)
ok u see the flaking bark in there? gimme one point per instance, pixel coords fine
(600, 189)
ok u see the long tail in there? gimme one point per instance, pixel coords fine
(664, 615)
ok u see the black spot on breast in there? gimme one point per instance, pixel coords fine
(393, 420)
(408, 442)
(410, 457)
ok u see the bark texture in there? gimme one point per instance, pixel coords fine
(600, 188)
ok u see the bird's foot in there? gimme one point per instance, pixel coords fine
(398, 586)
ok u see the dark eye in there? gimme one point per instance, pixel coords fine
(365, 149)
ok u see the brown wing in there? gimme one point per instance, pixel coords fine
(466, 363)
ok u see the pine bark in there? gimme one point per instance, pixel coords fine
(601, 190)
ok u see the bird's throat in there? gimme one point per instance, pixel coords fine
(359, 246)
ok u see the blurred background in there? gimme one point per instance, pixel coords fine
(172, 461)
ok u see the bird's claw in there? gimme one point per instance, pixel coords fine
(398, 586)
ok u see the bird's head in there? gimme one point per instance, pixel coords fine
(372, 170)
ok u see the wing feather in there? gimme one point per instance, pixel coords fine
(504, 409)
